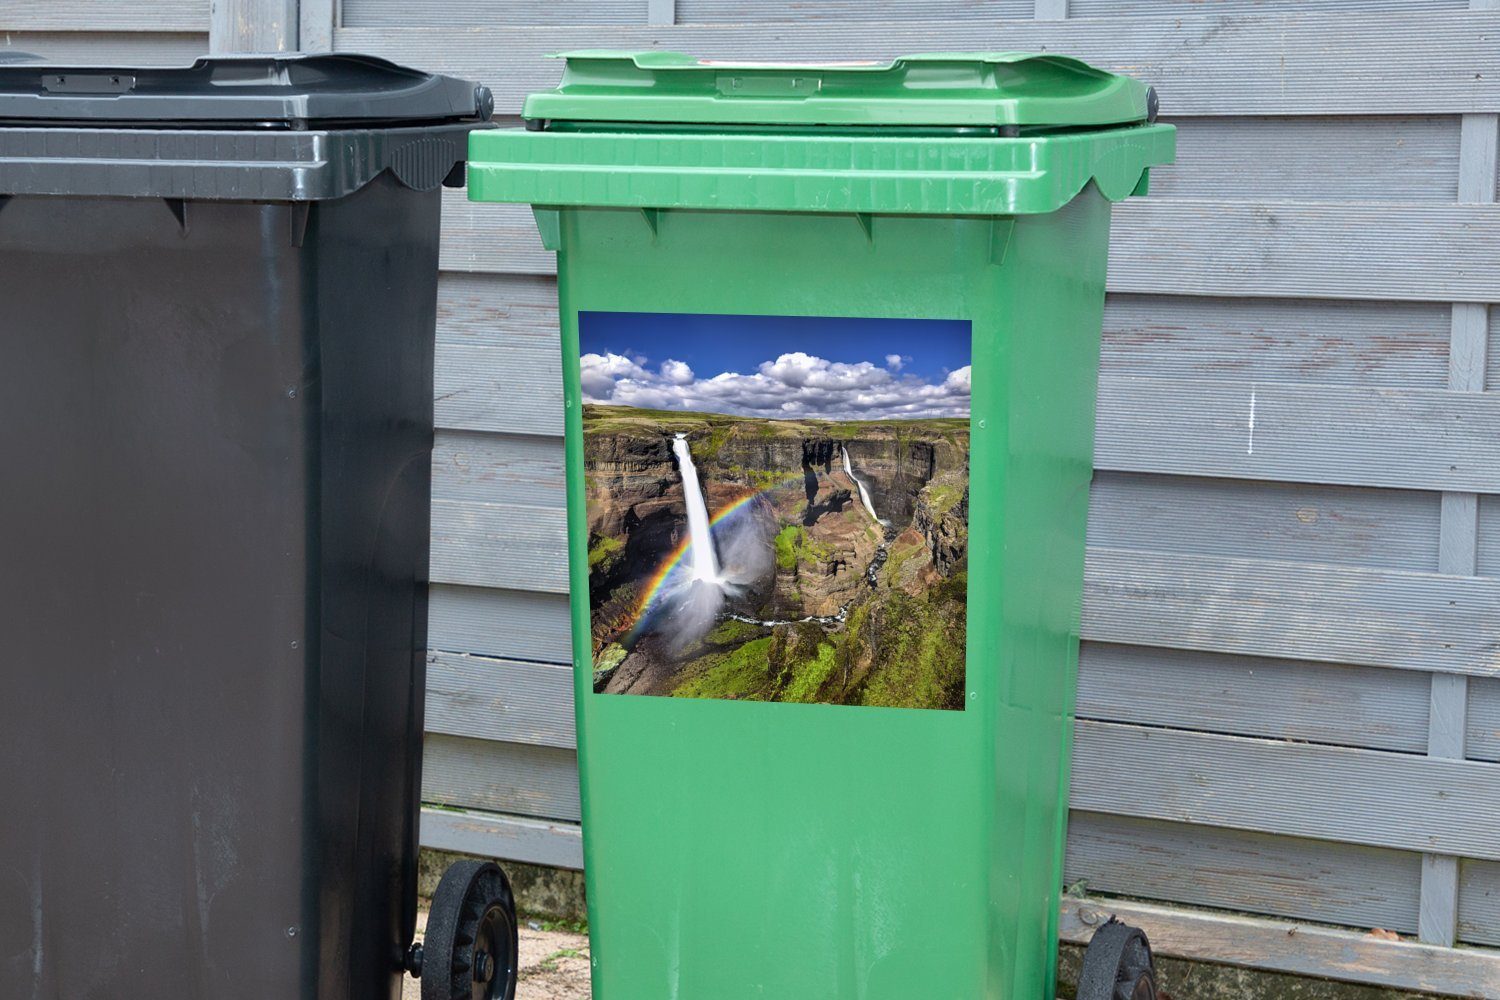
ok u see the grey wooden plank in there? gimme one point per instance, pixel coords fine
(113, 48)
(115, 15)
(502, 700)
(497, 388)
(492, 238)
(498, 468)
(1196, 246)
(92, 16)
(1157, 8)
(661, 12)
(1482, 730)
(509, 838)
(1492, 354)
(515, 624)
(1321, 341)
(1250, 872)
(513, 311)
(1479, 903)
(1382, 63)
(812, 11)
(1338, 525)
(1371, 707)
(1487, 542)
(1353, 435)
(1369, 797)
(1401, 158)
(509, 13)
(490, 545)
(316, 21)
(1480, 139)
(253, 26)
(1437, 912)
(1050, 10)
(1297, 948)
(1256, 607)
(1179, 246)
(513, 778)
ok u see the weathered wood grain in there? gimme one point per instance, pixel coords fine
(520, 624)
(512, 838)
(505, 700)
(515, 778)
(1358, 436)
(1249, 872)
(1479, 903)
(1287, 946)
(89, 16)
(1381, 618)
(1482, 731)
(1345, 63)
(1367, 797)
(1254, 696)
(109, 48)
(1317, 341)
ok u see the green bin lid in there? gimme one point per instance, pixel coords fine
(988, 134)
(939, 89)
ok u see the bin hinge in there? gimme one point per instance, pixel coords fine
(867, 223)
(1000, 233)
(178, 208)
(301, 214)
(549, 224)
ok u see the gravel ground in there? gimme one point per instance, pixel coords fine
(554, 965)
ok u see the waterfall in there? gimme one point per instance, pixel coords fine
(864, 494)
(704, 563)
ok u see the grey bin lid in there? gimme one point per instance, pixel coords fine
(254, 128)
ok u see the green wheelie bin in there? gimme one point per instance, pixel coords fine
(830, 339)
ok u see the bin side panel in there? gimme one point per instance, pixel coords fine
(155, 600)
(375, 275)
(739, 849)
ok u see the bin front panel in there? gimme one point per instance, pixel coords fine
(214, 524)
(749, 849)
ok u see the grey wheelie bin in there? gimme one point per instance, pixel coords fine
(217, 305)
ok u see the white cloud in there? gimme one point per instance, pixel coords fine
(676, 372)
(793, 385)
(896, 362)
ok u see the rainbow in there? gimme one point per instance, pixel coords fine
(658, 580)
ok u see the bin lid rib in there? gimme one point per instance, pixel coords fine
(1004, 133)
(931, 89)
(258, 91)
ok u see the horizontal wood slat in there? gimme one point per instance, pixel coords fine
(1367, 797)
(1288, 946)
(505, 700)
(108, 48)
(1250, 872)
(519, 624)
(1179, 246)
(1254, 696)
(1380, 618)
(514, 778)
(1382, 64)
(511, 838)
(1358, 436)
(112, 15)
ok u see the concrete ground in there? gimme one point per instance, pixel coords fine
(554, 965)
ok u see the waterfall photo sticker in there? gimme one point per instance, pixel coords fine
(777, 507)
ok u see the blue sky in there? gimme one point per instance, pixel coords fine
(777, 366)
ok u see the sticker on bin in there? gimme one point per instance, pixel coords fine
(777, 507)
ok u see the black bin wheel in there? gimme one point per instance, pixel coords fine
(1117, 965)
(471, 948)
